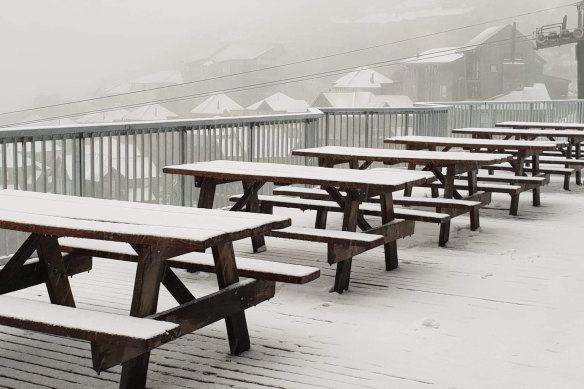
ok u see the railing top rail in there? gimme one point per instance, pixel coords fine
(417, 109)
(500, 102)
(40, 131)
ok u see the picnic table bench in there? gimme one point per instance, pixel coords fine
(522, 150)
(569, 156)
(432, 161)
(155, 233)
(342, 245)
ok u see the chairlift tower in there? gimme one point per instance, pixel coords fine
(558, 34)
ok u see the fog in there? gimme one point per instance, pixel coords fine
(68, 49)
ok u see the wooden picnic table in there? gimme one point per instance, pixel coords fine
(455, 163)
(156, 233)
(525, 149)
(542, 125)
(575, 138)
(357, 186)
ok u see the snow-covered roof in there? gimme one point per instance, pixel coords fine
(439, 55)
(483, 37)
(217, 105)
(360, 100)
(362, 78)
(35, 120)
(162, 77)
(279, 102)
(241, 51)
(536, 92)
(104, 117)
(150, 112)
(120, 88)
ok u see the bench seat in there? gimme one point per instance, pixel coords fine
(546, 169)
(560, 160)
(321, 194)
(105, 329)
(515, 180)
(486, 187)
(247, 267)
(371, 209)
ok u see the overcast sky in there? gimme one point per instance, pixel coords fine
(72, 46)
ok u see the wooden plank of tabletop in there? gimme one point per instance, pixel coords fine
(555, 126)
(59, 215)
(494, 144)
(420, 157)
(390, 180)
(519, 132)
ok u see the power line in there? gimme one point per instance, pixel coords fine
(289, 63)
(307, 77)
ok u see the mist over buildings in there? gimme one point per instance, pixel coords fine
(63, 51)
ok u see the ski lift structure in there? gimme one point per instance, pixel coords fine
(558, 34)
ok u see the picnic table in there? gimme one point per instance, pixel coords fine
(156, 233)
(524, 149)
(346, 188)
(455, 163)
(575, 138)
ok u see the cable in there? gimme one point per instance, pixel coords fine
(287, 64)
(396, 61)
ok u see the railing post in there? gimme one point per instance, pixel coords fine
(182, 159)
(251, 140)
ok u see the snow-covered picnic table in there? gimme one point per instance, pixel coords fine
(155, 233)
(520, 149)
(573, 150)
(347, 188)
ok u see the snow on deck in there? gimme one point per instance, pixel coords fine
(499, 308)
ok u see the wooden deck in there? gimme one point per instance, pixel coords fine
(496, 308)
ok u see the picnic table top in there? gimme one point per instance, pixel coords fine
(559, 126)
(495, 144)
(519, 132)
(420, 157)
(388, 180)
(122, 221)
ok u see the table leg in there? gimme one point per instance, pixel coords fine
(472, 189)
(535, 172)
(410, 187)
(449, 188)
(57, 281)
(207, 193)
(350, 217)
(387, 215)
(258, 242)
(226, 270)
(149, 274)
(568, 156)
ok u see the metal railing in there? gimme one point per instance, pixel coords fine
(488, 113)
(124, 161)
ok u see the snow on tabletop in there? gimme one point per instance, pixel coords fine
(510, 143)
(516, 131)
(319, 175)
(412, 155)
(201, 225)
(541, 124)
(163, 209)
(83, 319)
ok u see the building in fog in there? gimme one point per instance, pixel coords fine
(217, 105)
(489, 65)
(364, 80)
(278, 103)
(361, 100)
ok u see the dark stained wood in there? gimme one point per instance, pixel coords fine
(252, 205)
(321, 217)
(350, 217)
(177, 263)
(33, 273)
(149, 274)
(207, 192)
(226, 270)
(56, 273)
(225, 303)
(175, 286)
(9, 273)
(250, 191)
(472, 189)
(423, 142)
(387, 215)
(535, 173)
